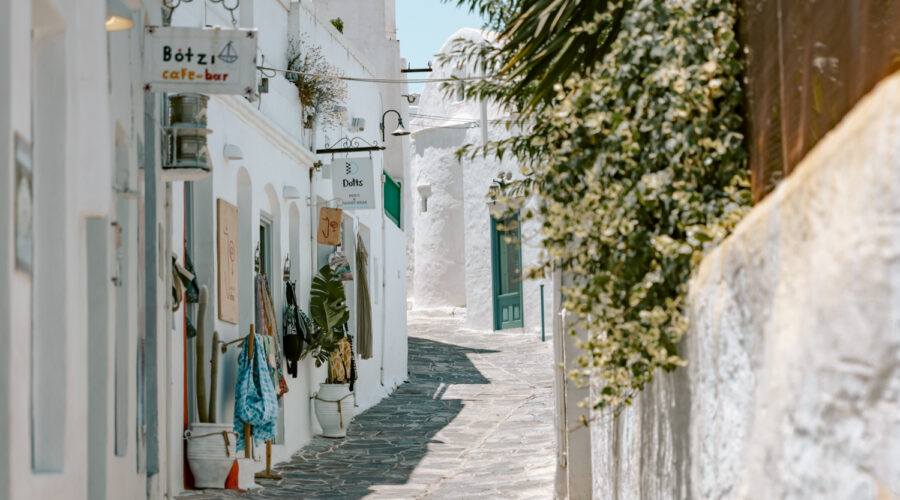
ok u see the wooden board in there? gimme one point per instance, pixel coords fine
(329, 232)
(227, 252)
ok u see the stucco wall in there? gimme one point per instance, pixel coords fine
(793, 386)
(452, 247)
(275, 155)
(440, 279)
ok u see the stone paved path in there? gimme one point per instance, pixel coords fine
(474, 421)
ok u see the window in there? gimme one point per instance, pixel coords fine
(265, 245)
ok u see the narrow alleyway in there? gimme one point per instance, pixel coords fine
(474, 421)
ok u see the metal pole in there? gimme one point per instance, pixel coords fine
(543, 335)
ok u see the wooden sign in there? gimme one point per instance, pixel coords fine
(329, 232)
(227, 250)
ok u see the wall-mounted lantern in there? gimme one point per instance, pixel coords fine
(118, 16)
(400, 131)
(187, 157)
(497, 186)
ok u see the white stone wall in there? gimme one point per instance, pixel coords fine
(793, 386)
(74, 92)
(452, 244)
(440, 278)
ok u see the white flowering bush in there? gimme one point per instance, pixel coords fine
(638, 167)
(645, 169)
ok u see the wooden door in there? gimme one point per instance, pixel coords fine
(506, 249)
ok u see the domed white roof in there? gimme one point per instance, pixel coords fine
(438, 107)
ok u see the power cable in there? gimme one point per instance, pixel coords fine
(373, 80)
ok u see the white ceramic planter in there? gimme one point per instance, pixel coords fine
(333, 419)
(207, 454)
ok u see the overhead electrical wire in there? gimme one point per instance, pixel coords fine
(374, 80)
(446, 118)
(493, 121)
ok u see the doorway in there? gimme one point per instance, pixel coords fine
(506, 259)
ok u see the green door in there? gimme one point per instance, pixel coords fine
(506, 250)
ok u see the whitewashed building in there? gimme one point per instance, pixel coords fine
(82, 281)
(96, 373)
(454, 228)
(265, 164)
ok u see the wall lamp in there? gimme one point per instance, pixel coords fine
(118, 16)
(400, 129)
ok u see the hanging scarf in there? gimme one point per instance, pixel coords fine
(266, 325)
(255, 401)
(363, 303)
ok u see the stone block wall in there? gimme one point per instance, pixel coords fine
(793, 383)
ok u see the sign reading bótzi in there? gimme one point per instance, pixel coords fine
(353, 182)
(205, 60)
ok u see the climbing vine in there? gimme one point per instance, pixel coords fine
(638, 166)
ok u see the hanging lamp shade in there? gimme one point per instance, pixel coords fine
(400, 129)
(118, 16)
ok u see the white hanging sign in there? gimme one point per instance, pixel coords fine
(205, 60)
(353, 182)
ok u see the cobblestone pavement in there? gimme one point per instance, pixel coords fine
(475, 420)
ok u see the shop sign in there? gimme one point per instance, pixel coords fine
(204, 60)
(353, 182)
(329, 230)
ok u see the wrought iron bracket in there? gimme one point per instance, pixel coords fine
(348, 145)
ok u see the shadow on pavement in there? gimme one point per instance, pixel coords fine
(385, 443)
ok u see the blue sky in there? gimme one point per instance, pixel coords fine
(424, 25)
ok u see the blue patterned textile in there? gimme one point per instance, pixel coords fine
(255, 401)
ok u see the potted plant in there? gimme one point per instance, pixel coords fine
(329, 314)
(321, 99)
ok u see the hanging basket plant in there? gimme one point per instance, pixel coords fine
(321, 93)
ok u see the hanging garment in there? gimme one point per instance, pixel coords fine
(181, 278)
(338, 374)
(266, 325)
(363, 303)
(293, 341)
(255, 401)
(340, 264)
(306, 326)
(352, 374)
(192, 289)
(342, 362)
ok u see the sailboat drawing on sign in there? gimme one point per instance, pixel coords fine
(228, 54)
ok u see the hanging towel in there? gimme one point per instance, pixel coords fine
(342, 362)
(266, 325)
(255, 401)
(363, 304)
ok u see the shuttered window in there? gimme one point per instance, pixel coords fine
(392, 199)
